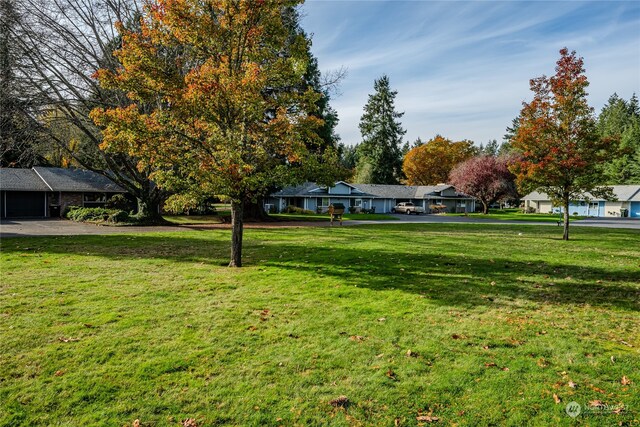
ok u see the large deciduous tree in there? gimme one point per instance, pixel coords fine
(431, 162)
(19, 136)
(557, 141)
(232, 119)
(379, 155)
(487, 178)
(65, 42)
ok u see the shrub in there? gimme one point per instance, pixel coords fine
(96, 214)
(352, 209)
(119, 216)
(297, 210)
(189, 204)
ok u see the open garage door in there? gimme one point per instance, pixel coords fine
(24, 204)
(635, 210)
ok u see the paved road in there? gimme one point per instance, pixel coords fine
(58, 227)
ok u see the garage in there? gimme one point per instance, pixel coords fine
(634, 212)
(23, 194)
(24, 204)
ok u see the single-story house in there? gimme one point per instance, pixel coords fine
(42, 192)
(383, 198)
(627, 203)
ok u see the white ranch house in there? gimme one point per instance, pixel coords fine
(627, 203)
(383, 198)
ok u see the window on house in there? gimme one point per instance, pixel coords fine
(358, 202)
(94, 199)
(323, 201)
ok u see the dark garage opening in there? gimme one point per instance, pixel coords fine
(24, 204)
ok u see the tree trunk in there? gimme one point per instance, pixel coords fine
(485, 207)
(149, 209)
(237, 207)
(565, 219)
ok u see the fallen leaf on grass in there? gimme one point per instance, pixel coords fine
(596, 403)
(136, 423)
(625, 380)
(356, 338)
(594, 388)
(490, 365)
(556, 398)
(411, 353)
(391, 375)
(382, 319)
(340, 402)
(58, 373)
(190, 422)
(572, 384)
(427, 418)
(63, 339)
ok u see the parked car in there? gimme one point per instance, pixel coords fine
(407, 208)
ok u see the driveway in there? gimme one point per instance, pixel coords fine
(61, 227)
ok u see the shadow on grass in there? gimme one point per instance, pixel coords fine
(464, 280)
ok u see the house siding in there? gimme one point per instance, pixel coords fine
(340, 189)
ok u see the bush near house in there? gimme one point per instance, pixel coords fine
(79, 214)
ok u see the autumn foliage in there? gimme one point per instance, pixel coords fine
(487, 178)
(557, 141)
(431, 163)
(228, 117)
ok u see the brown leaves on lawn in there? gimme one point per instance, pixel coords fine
(190, 422)
(625, 380)
(427, 418)
(556, 398)
(596, 404)
(392, 375)
(58, 373)
(339, 402)
(411, 353)
(63, 339)
(357, 338)
(572, 384)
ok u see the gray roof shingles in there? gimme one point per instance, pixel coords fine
(56, 179)
(77, 180)
(21, 180)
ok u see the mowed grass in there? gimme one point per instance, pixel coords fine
(518, 215)
(472, 324)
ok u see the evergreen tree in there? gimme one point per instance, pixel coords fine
(621, 119)
(380, 156)
(491, 149)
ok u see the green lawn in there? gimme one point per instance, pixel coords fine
(517, 215)
(215, 219)
(472, 324)
(325, 217)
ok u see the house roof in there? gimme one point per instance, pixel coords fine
(12, 179)
(624, 193)
(380, 191)
(56, 179)
(77, 180)
(388, 191)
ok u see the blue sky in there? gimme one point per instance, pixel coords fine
(462, 68)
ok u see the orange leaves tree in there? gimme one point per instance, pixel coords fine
(431, 163)
(557, 142)
(228, 117)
